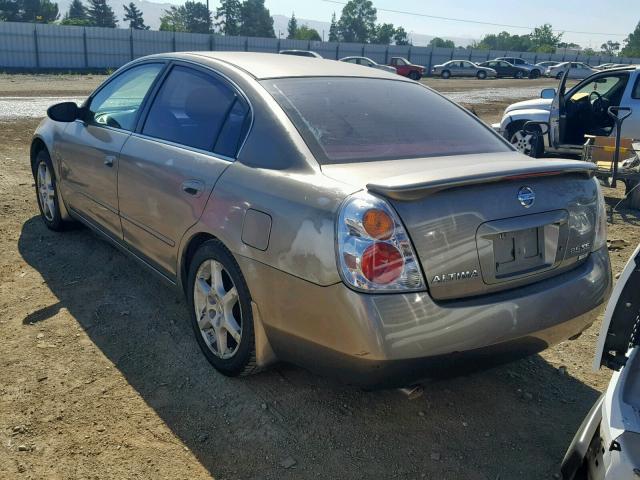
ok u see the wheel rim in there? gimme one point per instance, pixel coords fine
(217, 308)
(46, 192)
(522, 141)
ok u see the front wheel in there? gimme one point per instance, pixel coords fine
(445, 74)
(481, 75)
(221, 314)
(46, 192)
(534, 74)
(527, 143)
(413, 75)
(519, 75)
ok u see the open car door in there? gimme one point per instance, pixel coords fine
(558, 115)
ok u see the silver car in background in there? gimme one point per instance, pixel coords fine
(367, 62)
(463, 68)
(306, 221)
(576, 70)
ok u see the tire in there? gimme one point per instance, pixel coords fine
(481, 75)
(232, 354)
(527, 144)
(633, 195)
(534, 74)
(445, 74)
(46, 192)
(518, 75)
(413, 75)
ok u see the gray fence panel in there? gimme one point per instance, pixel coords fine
(513, 54)
(264, 45)
(230, 43)
(286, 44)
(60, 46)
(350, 50)
(420, 55)
(462, 53)
(157, 42)
(496, 54)
(398, 51)
(325, 49)
(440, 55)
(377, 53)
(17, 45)
(530, 57)
(190, 42)
(635, 61)
(108, 47)
(557, 57)
(479, 56)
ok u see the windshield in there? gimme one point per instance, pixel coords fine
(345, 120)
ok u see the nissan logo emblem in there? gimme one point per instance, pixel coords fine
(526, 197)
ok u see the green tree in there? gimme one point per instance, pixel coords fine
(589, 52)
(333, 29)
(357, 22)
(441, 43)
(383, 33)
(40, 11)
(505, 41)
(76, 15)
(172, 20)
(544, 40)
(632, 43)
(256, 20)
(306, 33)
(192, 17)
(133, 15)
(292, 26)
(400, 37)
(100, 14)
(228, 17)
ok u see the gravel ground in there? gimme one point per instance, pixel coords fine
(100, 376)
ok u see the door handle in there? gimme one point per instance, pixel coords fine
(193, 187)
(109, 159)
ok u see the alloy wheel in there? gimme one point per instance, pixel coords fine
(46, 192)
(522, 141)
(217, 308)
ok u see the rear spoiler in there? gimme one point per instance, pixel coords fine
(402, 188)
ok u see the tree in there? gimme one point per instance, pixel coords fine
(441, 43)
(357, 22)
(632, 43)
(383, 33)
(76, 15)
(134, 16)
(568, 45)
(172, 20)
(400, 37)
(100, 14)
(505, 41)
(192, 17)
(306, 33)
(292, 27)
(333, 29)
(544, 40)
(256, 20)
(228, 17)
(39, 11)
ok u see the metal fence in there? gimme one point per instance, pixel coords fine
(28, 46)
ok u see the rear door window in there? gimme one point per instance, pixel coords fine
(190, 108)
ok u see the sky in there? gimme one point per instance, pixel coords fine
(617, 18)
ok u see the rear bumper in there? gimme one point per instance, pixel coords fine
(395, 339)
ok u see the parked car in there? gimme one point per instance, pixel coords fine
(505, 69)
(367, 62)
(463, 68)
(272, 191)
(583, 110)
(607, 444)
(407, 69)
(546, 64)
(604, 66)
(576, 70)
(534, 70)
(301, 53)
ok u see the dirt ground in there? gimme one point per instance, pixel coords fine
(101, 378)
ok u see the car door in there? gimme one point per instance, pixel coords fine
(190, 133)
(557, 115)
(89, 148)
(468, 69)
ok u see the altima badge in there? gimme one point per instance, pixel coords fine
(448, 277)
(526, 197)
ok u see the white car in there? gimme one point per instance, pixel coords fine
(607, 445)
(576, 70)
(568, 115)
(367, 62)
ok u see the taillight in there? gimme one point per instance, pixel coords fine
(374, 250)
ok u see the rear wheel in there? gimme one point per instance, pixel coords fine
(221, 314)
(445, 74)
(534, 74)
(413, 75)
(633, 194)
(46, 192)
(481, 75)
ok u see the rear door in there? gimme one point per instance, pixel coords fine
(90, 147)
(190, 134)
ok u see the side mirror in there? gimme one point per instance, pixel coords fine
(548, 93)
(64, 112)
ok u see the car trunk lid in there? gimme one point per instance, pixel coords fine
(485, 223)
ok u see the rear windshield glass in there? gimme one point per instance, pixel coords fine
(362, 119)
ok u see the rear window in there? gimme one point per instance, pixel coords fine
(345, 120)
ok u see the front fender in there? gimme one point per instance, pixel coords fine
(524, 115)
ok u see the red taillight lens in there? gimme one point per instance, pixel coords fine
(382, 263)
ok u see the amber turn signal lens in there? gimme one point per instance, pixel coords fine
(378, 224)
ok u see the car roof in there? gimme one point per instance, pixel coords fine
(273, 65)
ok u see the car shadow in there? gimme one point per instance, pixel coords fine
(618, 211)
(514, 421)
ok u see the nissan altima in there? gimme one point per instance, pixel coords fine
(306, 221)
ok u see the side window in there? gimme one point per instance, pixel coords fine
(117, 104)
(636, 90)
(190, 109)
